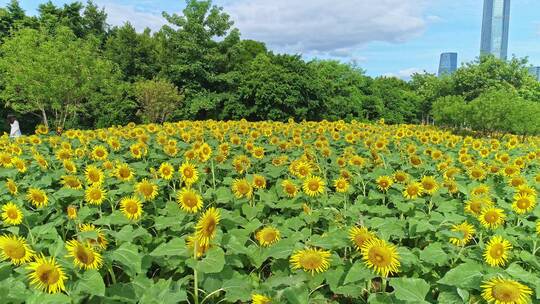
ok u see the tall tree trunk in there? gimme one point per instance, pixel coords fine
(44, 117)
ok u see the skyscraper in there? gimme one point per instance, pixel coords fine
(535, 71)
(447, 64)
(495, 28)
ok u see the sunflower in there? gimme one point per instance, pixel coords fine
(311, 260)
(242, 188)
(70, 166)
(313, 186)
(505, 291)
(99, 153)
(11, 214)
(207, 226)
(71, 182)
(413, 190)
(260, 299)
(47, 275)
(476, 204)
(15, 249)
(11, 186)
(201, 249)
(480, 190)
(384, 182)
(123, 172)
(523, 203)
(166, 171)
(467, 230)
(37, 197)
(492, 217)
(101, 241)
(268, 236)
(189, 173)
(289, 188)
(496, 252)
(94, 195)
(259, 182)
(85, 256)
(189, 200)
(342, 185)
(383, 258)
(131, 207)
(94, 175)
(72, 212)
(359, 235)
(429, 184)
(146, 189)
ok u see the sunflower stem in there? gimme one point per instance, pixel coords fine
(195, 274)
(213, 175)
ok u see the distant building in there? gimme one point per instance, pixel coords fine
(495, 28)
(447, 64)
(535, 71)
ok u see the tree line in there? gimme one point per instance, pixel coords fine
(66, 67)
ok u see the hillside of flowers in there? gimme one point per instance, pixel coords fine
(269, 212)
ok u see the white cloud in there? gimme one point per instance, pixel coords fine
(328, 26)
(405, 74)
(118, 14)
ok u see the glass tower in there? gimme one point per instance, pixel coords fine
(495, 28)
(447, 64)
(535, 71)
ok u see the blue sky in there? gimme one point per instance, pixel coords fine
(385, 37)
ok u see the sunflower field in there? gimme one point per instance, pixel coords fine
(269, 212)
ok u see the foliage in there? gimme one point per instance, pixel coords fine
(54, 74)
(497, 111)
(157, 99)
(366, 174)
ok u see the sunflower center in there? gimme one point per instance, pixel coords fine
(12, 214)
(359, 239)
(379, 256)
(412, 190)
(383, 183)
(210, 226)
(38, 197)
(290, 189)
(131, 207)
(124, 172)
(269, 236)
(243, 188)
(85, 255)
(496, 251)
(523, 203)
(313, 185)
(190, 200)
(491, 217)
(95, 194)
(505, 293)
(146, 189)
(48, 274)
(14, 250)
(311, 261)
(93, 176)
(476, 206)
(188, 172)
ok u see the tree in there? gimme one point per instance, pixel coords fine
(342, 89)
(54, 74)
(449, 111)
(400, 103)
(488, 73)
(157, 99)
(135, 53)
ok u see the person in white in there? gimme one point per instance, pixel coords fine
(15, 130)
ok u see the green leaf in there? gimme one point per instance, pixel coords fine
(358, 272)
(434, 254)
(91, 283)
(174, 247)
(213, 262)
(467, 275)
(128, 255)
(411, 290)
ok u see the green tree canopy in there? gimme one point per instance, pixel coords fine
(55, 74)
